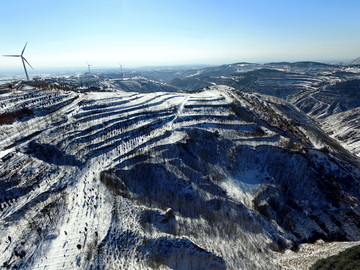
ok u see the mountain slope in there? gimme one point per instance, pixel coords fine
(329, 100)
(344, 127)
(336, 108)
(216, 179)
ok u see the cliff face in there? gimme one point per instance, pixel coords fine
(210, 180)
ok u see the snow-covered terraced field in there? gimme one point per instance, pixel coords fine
(215, 179)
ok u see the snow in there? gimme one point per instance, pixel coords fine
(244, 186)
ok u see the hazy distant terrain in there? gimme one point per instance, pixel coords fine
(241, 166)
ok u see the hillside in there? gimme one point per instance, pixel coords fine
(336, 98)
(336, 108)
(216, 179)
(344, 127)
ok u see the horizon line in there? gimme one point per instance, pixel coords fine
(137, 66)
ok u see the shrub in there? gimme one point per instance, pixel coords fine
(349, 259)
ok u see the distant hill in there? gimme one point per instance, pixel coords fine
(280, 79)
(309, 63)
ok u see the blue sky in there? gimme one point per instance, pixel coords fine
(158, 32)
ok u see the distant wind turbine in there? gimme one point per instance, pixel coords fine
(121, 70)
(23, 60)
(88, 67)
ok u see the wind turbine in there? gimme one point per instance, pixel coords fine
(121, 70)
(23, 59)
(88, 67)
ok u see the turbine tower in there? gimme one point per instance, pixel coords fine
(88, 67)
(121, 70)
(23, 59)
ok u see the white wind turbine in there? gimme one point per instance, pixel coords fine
(23, 59)
(88, 66)
(121, 70)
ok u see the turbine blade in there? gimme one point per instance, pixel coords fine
(27, 62)
(24, 48)
(12, 55)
